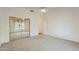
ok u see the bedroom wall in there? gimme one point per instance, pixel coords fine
(4, 31)
(63, 23)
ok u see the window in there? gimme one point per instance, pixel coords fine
(19, 26)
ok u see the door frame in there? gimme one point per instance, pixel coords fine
(18, 17)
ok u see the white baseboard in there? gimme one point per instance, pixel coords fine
(62, 38)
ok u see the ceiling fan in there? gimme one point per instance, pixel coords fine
(43, 9)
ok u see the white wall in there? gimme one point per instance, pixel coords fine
(17, 12)
(4, 26)
(45, 23)
(63, 23)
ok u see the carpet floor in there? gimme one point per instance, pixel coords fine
(40, 43)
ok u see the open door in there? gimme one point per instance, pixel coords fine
(19, 28)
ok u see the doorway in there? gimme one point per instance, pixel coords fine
(19, 28)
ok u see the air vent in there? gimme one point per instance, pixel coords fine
(31, 10)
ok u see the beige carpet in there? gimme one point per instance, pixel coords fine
(40, 43)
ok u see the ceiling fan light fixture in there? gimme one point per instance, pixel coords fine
(43, 9)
